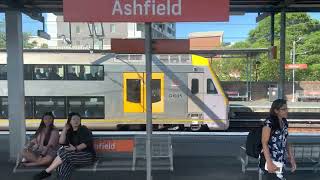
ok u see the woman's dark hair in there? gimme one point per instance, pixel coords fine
(276, 105)
(70, 115)
(43, 125)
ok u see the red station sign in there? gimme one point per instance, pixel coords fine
(296, 66)
(146, 10)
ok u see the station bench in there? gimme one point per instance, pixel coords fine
(307, 156)
(304, 95)
(235, 95)
(124, 154)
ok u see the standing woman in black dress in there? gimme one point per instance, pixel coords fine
(77, 151)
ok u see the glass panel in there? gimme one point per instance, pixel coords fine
(28, 107)
(87, 107)
(140, 27)
(28, 69)
(174, 59)
(194, 86)
(112, 28)
(134, 90)
(122, 57)
(185, 58)
(4, 107)
(48, 72)
(211, 89)
(3, 72)
(46, 104)
(85, 72)
(136, 57)
(156, 90)
(27, 72)
(164, 58)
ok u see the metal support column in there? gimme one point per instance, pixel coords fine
(293, 70)
(148, 54)
(70, 34)
(272, 29)
(250, 78)
(281, 89)
(247, 77)
(14, 39)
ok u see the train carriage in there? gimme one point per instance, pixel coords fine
(109, 90)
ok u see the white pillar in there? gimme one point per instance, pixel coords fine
(14, 40)
(52, 29)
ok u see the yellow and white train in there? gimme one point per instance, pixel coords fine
(109, 90)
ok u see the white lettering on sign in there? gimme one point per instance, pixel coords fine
(106, 146)
(149, 7)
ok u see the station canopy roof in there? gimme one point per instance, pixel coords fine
(236, 6)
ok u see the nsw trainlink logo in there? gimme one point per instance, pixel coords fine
(105, 145)
(147, 8)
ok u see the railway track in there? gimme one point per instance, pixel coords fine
(261, 115)
(295, 125)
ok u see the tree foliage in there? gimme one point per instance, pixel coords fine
(26, 37)
(301, 28)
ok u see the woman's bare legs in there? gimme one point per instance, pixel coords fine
(29, 156)
(41, 161)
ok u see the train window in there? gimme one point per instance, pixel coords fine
(185, 59)
(56, 105)
(87, 107)
(211, 89)
(134, 90)
(48, 72)
(156, 90)
(28, 69)
(136, 57)
(85, 72)
(28, 107)
(174, 59)
(4, 107)
(123, 57)
(195, 86)
(164, 58)
(3, 72)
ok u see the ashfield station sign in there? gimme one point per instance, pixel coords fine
(145, 10)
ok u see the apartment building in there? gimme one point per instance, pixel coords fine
(98, 35)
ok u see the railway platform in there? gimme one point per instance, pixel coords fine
(206, 156)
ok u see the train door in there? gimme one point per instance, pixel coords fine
(134, 92)
(195, 97)
(214, 101)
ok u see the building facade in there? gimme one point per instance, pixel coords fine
(206, 40)
(98, 35)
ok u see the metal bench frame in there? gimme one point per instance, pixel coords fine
(302, 95)
(161, 147)
(237, 95)
(303, 152)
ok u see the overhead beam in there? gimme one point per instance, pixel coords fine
(261, 16)
(55, 6)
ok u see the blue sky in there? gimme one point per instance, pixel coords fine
(236, 29)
